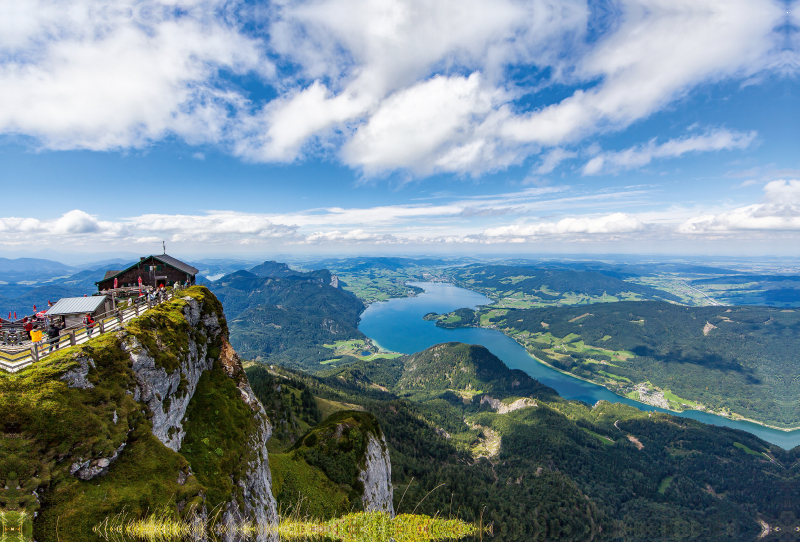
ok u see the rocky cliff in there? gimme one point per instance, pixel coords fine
(159, 416)
(376, 476)
(346, 458)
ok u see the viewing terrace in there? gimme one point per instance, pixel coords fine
(18, 352)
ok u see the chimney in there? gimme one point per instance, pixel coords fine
(141, 259)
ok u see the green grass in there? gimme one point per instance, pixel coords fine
(346, 344)
(605, 440)
(295, 483)
(352, 527)
(328, 407)
(747, 450)
(672, 398)
(664, 484)
(615, 377)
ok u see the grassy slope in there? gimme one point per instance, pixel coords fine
(547, 286)
(287, 319)
(53, 424)
(554, 454)
(741, 365)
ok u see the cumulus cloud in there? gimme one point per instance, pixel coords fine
(93, 74)
(74, 226)
(659, 51)
(615, 223)
(78, 227)
(382, 84)
(641, 155)
(443, 124)
(779, 211)
(551, 159)
(214, 227)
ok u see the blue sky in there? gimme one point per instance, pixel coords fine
(380, 126)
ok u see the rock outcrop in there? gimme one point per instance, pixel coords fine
(258, 503)
(350, 449)
(78, 377)
(150, 373)
(166, 393)
(377, 476)
(503, 408)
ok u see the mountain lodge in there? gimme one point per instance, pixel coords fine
(157, 270)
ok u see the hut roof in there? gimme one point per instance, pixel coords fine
(76, 305)
(163, 258)
(177, 264)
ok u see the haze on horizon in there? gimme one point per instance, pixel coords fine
(228, 127)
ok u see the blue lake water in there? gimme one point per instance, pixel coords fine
(397, 325)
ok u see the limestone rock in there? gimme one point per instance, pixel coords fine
(78, 377)
(377, 477)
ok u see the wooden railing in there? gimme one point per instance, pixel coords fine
(16, 357)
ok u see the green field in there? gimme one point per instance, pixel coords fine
(605, 440)
(733, 361)
(747, 450)
(664, 484)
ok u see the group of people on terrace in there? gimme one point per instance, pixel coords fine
(34, 328)
(30, 328)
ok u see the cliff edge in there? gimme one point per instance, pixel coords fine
(159, 416)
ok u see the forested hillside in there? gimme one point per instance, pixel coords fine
(739, 359)
(524, 287)
(289, 318)
(545, 468)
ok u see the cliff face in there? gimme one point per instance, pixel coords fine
(157, 416)
(345, 457)
(257, 502)
(376, 475)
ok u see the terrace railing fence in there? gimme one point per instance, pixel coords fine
(15, 355)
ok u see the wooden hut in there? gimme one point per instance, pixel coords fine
(153, 270)
(71, 310)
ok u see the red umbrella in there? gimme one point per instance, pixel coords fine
(115, 284)
(140, 282)
(15, 315)
(34, 308)
(9, 315)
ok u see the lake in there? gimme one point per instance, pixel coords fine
(397, 325)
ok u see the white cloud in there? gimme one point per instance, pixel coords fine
(443, 124)
(615, 223)
(91, 74)
(382, 84)
(528, 216)
(659, 51)
(551, 159)
(779, 211)
(213, 227)
(641, 155)
(72, 227)
(352, 236)
(75, 222)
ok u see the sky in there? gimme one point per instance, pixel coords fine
(400, 126)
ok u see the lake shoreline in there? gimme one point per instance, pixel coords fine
(398, 325)
(734, 416)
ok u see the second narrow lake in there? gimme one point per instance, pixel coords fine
(397, 325)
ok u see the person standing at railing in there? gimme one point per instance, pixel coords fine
(52, 336)
(87, 320)
(28, 327)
